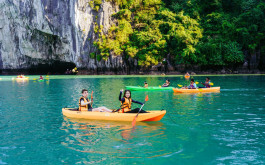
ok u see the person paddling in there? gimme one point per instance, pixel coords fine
(191, 86)
(41, 78)
(126, 103)
(187, 74)
(166, 84)
(85, 104)
(207, 83)
(145, 85)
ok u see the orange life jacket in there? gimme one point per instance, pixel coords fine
(126, 105)
(83, 107)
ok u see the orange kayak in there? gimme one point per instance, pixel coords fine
(187, 77)
(151, 116)
(198, 90)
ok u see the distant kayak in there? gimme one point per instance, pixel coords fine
(151, 116)
(187, 77)
(22, 79)
(41, 80)
(135, 88)
(212, 89)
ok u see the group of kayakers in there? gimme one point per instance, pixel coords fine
(21, 76)
(166, 84)
(192, 84)
(126, 103)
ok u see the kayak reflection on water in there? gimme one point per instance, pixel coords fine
(86, 133)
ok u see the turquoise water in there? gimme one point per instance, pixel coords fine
(210, 128)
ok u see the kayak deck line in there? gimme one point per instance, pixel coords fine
(115, 116)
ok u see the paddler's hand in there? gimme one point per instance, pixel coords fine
(121, 90)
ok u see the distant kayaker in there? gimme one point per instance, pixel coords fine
(126, 103)
(166, 84)
(85, 104)
(145, 84)
(21, 76)
(207, 83)
(192, 84)
(187, 74)
(41, 78)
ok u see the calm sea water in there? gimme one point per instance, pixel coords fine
(211, 128)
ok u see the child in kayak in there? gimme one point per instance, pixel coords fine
(191, 86)
(145, 85)
(166, 84)
(85, 104)
(41, 78)
(207, 83)
(126, 103)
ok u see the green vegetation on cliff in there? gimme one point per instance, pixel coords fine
(201, 32)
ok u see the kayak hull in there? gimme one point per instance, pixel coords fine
(212, 89)
(151, 116)
(135, 88)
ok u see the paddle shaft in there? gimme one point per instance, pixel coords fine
(140, 109)
(91, 98)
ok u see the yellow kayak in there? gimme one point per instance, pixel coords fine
(212, 89)
(22, 79)
(151, 116)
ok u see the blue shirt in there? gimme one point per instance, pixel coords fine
(193, 86)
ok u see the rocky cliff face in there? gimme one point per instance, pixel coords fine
(34, 32)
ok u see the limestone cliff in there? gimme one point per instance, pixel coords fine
(34, 32)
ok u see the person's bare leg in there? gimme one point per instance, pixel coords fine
(105, 109)
(101, 109)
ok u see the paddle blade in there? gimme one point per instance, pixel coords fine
(134, 121)
(196, 82)
(180, 85)
(159, 86)
(91, 94)
(146, 98)
(211, 83)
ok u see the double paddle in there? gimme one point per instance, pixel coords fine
(134, 120)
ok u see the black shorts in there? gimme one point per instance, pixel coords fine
(136, 110)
